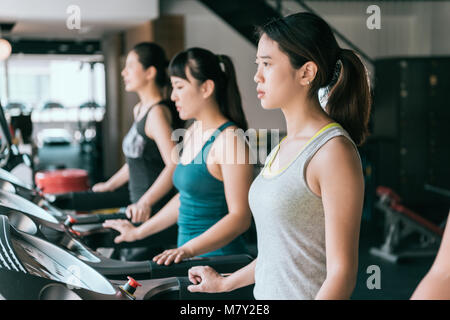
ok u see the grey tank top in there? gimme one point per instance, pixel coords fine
(290, 227)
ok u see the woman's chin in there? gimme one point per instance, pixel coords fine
(129, 88)
(182, 116)
(267, 106)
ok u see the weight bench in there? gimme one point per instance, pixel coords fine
(400, 222)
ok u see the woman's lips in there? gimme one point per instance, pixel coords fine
(260, 94)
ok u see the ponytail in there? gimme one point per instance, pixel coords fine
(231, 104)
(166, 87)
(205, 65)
(350, 100)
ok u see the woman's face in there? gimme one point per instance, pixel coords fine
(134, 74)
(187, 96)
(275, 77)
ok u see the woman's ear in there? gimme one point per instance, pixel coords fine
(307, 73)
(207, 88)
(150, 73)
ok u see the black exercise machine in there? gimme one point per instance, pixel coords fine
(400, 222)
(32, 268)
(31, 219)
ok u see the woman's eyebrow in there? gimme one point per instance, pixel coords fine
(264, 57)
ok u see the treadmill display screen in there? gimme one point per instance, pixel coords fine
(40, 264)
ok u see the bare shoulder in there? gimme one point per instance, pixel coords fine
(336, 154)
(227, 138)
(231, 145)
(160, 112)
(158, 121)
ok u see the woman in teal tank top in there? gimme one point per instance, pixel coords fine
(202, 199)
(211, 208)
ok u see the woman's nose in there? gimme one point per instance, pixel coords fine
(173, 96)
(257, 78)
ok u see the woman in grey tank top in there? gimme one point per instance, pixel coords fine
(307, 201)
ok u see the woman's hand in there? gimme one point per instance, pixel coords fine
(173, 255)
(128, 232)
(205, 279)
(138, 212)
(102, 187)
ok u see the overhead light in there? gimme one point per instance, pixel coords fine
(5, 49)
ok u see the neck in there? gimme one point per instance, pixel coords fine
(210, 117)
(303, 116)
(149, 94)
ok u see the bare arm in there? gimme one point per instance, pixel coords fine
(436, 284)
(117, 180)
(165, 218)
(339, 175)
(206, 279)
(241, 278)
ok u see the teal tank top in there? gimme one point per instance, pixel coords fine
(202, 199)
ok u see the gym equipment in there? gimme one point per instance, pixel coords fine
(32, 268)
(400, 223)
(101, 237)
(29, 218)
(56, 227)
(20, 120)
(93, 235)
(10, 183)
(410, 117)
(62, 181)
(23, 253)
(10, 157)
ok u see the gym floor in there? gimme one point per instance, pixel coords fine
(398, 281)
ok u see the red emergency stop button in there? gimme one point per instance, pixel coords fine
(131, 286)
(133, 283)
(70, 221)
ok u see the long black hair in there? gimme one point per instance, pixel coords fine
(307, 37)
(205, 65)
(149, 55)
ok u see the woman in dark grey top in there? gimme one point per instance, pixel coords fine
(148, 145)
(143, 158)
